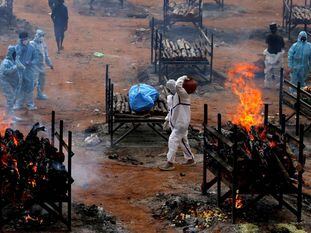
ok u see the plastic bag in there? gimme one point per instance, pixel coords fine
(142, 97)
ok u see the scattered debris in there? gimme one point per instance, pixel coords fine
(92, 140)
(188, 213)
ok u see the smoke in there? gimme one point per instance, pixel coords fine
(86, 167)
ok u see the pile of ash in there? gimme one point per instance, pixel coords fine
(84, 219)
(191, 214)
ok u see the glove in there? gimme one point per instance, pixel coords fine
(166, 126)
(20, 66)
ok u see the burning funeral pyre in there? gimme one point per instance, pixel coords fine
(250, 155)
(32, 172)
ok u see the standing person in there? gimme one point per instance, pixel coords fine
(9, 80)
(26, 54)
(273, 57)
(52, 4)
(60, 20)
(179, 120)
(43, 58)
(299, 60)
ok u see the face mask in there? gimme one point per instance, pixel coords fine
(25, 41)
(303, 39)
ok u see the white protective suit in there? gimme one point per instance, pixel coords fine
(273, 65)
(43, 58)
(179, 117)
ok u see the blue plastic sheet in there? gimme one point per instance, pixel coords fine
(142, 97)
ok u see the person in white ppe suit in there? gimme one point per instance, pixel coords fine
(273, 57)
(43, 58)
(178, 118)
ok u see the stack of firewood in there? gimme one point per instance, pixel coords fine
(31, 170)
(121, 103)
(184, 9)
(183, 49)
(302, 13)
(265, 160)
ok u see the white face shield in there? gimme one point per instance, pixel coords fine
(39, 36)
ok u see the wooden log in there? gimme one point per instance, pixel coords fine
(127, 105)
(119, 103)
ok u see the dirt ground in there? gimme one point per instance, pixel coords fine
(76, 91)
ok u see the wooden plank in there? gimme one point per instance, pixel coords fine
(219, 136)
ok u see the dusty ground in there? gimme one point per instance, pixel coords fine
(76, 89)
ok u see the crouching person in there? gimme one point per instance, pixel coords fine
(9, 80)
(179, 117)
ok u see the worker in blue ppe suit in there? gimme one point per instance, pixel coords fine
(43, 58)
(299, 59)
(9, 80)
(179, 120)
(26, 54)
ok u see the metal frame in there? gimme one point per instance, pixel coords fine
(231, 180)
(288, 21)
(162, 65)
(294, 101)
(170, 19)
(55, 207)
(116, 121)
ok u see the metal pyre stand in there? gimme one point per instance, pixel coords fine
(53, 202)
(294, 15)
(169, 58)
(229, 174)
(295, 98)
(117, 120)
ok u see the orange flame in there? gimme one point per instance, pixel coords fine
(32, 182)
(28, 218)
(15, 141)
(239, 203)
(240, 79)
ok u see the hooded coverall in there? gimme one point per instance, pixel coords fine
(43, 58)
(179, 119)
(27, 55)
(9, 79)
(299, 60)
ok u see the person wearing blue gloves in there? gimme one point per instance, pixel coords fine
(299, 60)
(27, 56)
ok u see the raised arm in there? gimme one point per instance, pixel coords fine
(179, 87)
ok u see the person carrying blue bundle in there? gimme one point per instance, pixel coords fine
(299, 60)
